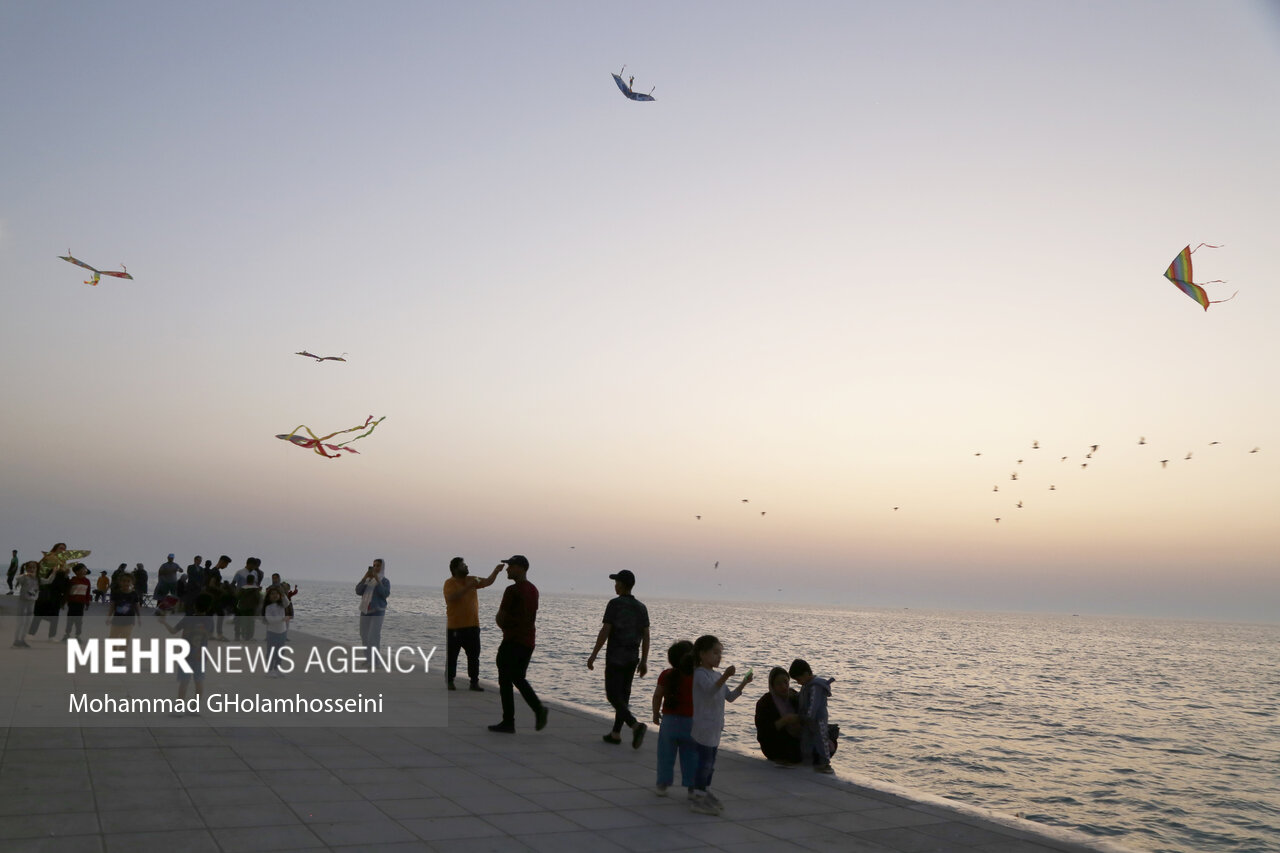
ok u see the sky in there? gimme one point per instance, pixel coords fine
(847, 249)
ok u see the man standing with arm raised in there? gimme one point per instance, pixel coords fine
(462, 611)
(516, 617)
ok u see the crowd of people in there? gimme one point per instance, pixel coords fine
(688, 703)
(52, 584)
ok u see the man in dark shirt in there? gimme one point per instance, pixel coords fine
(626, 630)
(516, 617)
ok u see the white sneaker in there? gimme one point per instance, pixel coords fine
(715, 801)
(702, 805)
(661, 790)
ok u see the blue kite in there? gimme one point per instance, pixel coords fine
(627, 90)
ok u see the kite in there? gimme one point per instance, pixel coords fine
(626, 88)
(320, 358)
(317, 442)
(97, 273)
(1179, 272)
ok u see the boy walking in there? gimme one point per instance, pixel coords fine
(626, 629)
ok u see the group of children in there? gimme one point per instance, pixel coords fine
(688, 708)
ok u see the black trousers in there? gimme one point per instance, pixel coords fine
(513, 663)
(463, 639)
(617, 689)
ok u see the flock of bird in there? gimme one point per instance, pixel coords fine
(1084, 465)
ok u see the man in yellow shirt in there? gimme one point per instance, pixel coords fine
(462, 611)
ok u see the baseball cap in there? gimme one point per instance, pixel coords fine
(518, 560)
(624, 577)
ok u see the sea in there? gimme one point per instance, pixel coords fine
(1158, 735)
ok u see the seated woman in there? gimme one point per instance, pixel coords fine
(777, 720)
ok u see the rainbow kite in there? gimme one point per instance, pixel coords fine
(97, 273)
(317, 442)
(1179, 272)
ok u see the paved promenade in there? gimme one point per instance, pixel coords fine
(187, 786)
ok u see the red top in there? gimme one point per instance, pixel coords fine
(79, 592)
(517, 613)
(683, 684)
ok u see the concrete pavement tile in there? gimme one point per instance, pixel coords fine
(531, 823)
(896, 816)
(33, 801)
(843, 844)
(61, 844)
(315, 793)
(723, 830)
(911, 841)
(46, 825)
(237, 795)
(252, 839)
(847, 822)
(187, 841)
(495, 844)
(787, 827)
(773, 845)
(336, 811)
(420, 808)
(653, 839)
(151, 819)
(441, 828)
(611, 817)
(557, 801)
(572, 842)
(397, 847)
(535, 785)
(216, 778)
(375, 832)
(498, 803)
(130, 799)
(272, 813)
(961, 832)
(407, 790)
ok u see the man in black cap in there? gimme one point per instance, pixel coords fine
(626, 629)
(516, 617)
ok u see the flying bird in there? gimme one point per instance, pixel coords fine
(1164, 463)
(320, 358)
(1187, 458)
(1035, 445)
(1142, 439)
(1019, 504)
(1255, 450)
(97, 273)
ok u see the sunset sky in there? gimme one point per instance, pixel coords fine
(849, 247)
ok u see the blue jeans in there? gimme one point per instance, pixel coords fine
(371, 629)
(673, 739)
(706, 766)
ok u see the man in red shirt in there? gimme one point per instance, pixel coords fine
(516, 617)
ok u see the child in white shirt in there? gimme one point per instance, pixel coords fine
(709, 695)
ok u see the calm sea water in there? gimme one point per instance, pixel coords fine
(1163, 735)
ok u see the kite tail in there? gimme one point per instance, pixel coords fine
(1228, 299)
(1207, 246)
(363, 434)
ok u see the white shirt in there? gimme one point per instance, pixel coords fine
(708, 706)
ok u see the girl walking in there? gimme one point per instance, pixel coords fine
(709, 695)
